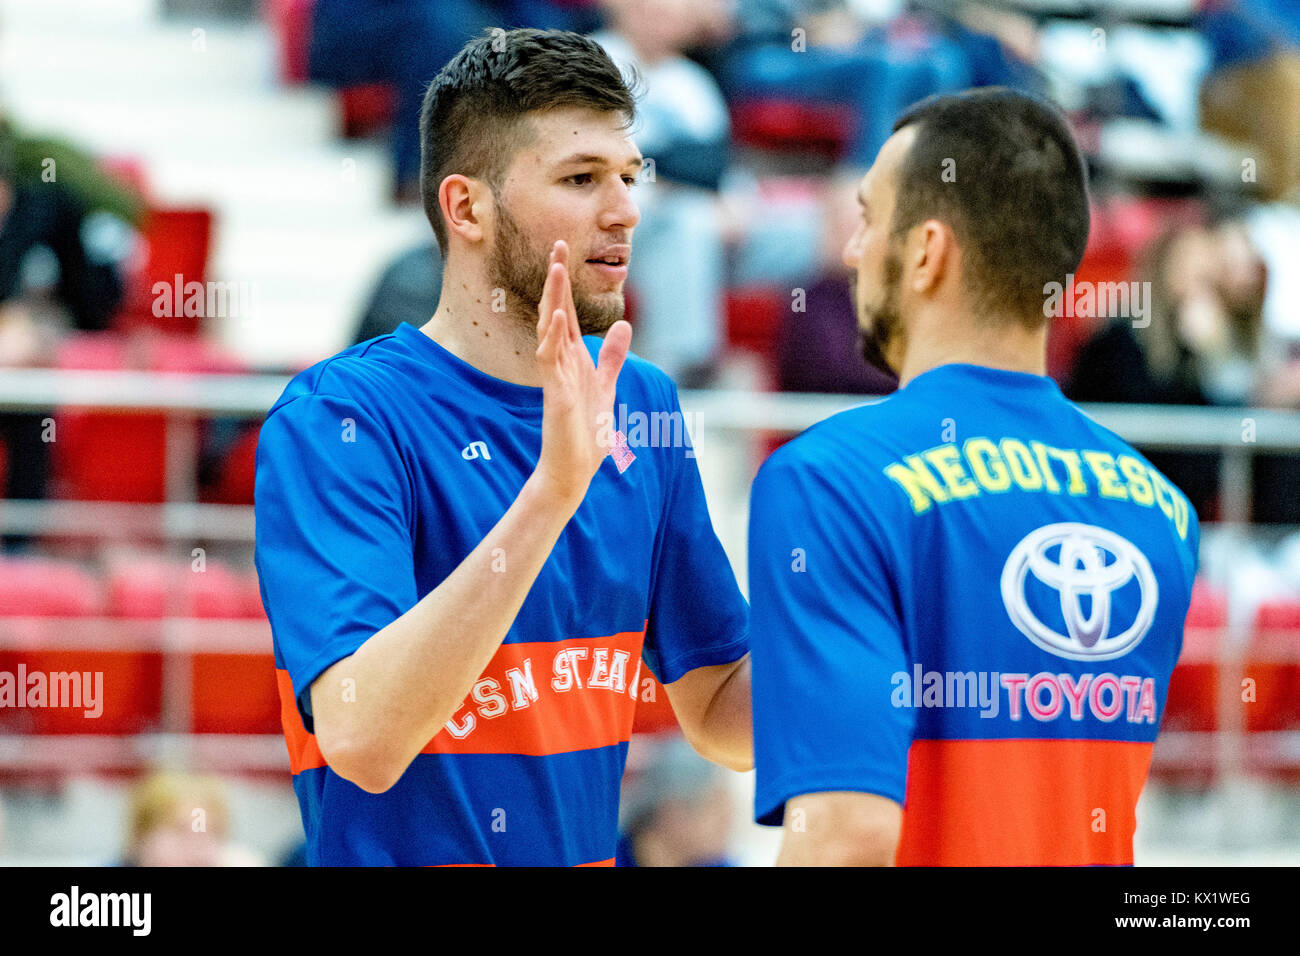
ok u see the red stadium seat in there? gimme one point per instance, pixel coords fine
(121, 456)
(41, 587)
(50, 623)
(108, 456)
(290, 22)
(231, 668)
(132, 685)
(153, 588)
(234, 485)
(1192, 703)
(1273, 663)
(367, 109)
(177, 242)
(235, 693)
(789, 125)
(754, 316)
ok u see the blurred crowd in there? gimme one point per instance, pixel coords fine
(758, 119)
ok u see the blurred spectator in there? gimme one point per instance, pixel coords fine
(818, 349)
(822, 51)
(40, 160)
(683, 130)
(405, 43)
(1205, 345)
(1252, 94)
(59, 267)
(407, 292)
(676, 811)
(181, 820)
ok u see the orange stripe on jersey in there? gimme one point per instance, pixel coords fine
(537, 699)
(1021, 802)
(549, 697)
(303, 752)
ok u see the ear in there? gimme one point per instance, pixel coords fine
(462, 199)
(932, 248)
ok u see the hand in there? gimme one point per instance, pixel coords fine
(576, 393)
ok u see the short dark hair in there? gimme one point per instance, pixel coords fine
(1017, 199)
(473, 118)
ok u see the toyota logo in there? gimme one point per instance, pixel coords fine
(1079, 561)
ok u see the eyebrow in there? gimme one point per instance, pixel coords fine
(585, 159)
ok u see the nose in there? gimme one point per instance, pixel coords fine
(621, 211)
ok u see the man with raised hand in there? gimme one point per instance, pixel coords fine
(463, 565)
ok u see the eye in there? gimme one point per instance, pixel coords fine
(581, 179)
(631, 180)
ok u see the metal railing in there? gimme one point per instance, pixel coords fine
(724, 416)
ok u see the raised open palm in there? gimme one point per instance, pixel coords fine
(576, 391)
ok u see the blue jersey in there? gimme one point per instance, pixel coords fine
(378, 471)
(967, 598)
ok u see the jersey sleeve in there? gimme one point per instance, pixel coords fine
(332, 504)
(827, 642)
(698, 617)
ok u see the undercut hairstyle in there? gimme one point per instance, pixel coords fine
(1003, 170)
(474, 119)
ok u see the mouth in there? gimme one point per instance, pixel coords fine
(612, 265)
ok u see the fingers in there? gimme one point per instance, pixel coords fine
(551, 296)
(613, 352)
(549, 341)
(560, 254)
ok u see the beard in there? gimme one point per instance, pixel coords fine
(519, 268)
(880, 325)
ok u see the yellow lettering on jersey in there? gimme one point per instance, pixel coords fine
(947, 462)
(986, 465)
(1021, 462)
(1139, 485)
(1040, 455)
(1103, 466)
(1070, 457)
(916, 480)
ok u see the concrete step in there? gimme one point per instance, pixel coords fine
(16, 14)
(113, 124)
(86, 58)
(334, 183)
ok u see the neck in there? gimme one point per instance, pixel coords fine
(502, 344)
(1005, 345)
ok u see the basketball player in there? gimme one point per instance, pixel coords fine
(463, 564)
(966, 599)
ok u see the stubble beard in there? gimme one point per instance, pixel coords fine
(879, 326)
(520, 269)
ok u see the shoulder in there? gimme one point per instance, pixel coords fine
(839, 463)
(856, 438)
(345, 378)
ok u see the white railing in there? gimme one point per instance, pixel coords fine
(715, 416)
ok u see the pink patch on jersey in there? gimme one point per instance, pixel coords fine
(622, 454)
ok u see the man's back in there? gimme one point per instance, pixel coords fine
(990, 600)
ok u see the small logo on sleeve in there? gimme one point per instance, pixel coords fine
(476, 449)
